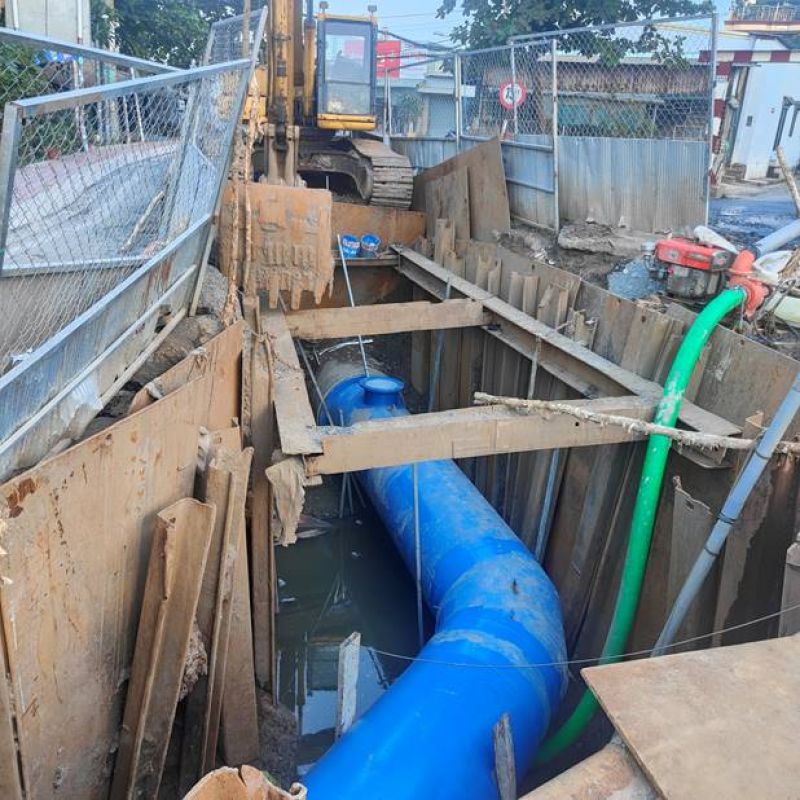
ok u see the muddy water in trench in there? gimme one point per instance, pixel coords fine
(346, 578)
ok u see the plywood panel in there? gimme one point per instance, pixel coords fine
(489, 209)
(76, 531)
(713, 723)
(392, 225)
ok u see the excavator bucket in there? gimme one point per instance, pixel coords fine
(276, 239)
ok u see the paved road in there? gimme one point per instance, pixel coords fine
(743, 220)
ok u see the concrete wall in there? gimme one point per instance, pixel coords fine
(56, 18)
(767, 84)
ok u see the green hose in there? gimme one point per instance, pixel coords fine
(644, 512)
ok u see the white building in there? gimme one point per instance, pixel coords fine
(68, 20)
(757, 105)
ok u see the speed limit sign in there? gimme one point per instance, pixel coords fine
(512, 94)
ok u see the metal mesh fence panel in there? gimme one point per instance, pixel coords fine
(644, 81)
(100, 183)
(416, 91)
(506, 91)
(226, 37)
(32, 66)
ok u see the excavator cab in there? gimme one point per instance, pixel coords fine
(346, 72)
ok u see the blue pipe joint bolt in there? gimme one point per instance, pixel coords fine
(499, 641)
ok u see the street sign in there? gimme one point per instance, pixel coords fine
(512, 95)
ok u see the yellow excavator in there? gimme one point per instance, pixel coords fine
(318, 93)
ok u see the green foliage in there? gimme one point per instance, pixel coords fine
(408, 110)
(171, 31)
(492, 22)
(104, 17)
(21, 73)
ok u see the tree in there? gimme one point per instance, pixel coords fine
(492, 22)
(170, 31)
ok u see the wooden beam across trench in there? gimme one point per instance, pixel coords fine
(571, 362)
(458, 433)
(468, 432)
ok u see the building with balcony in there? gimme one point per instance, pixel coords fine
(764, 18)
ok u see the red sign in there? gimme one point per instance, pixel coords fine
(388, 58)
(512, 95)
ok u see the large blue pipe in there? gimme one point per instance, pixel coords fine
(496, 611)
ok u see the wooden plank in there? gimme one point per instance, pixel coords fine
(77, 535)
(467, 432)
(228, 478)
(296, 424)
(261, 542)
(455, 202)
(558, 352)
(711, 723)
(392, 225)
(239, 722)
(172, 589)
(489, 208)
(385, 318)
(224, 464)
(444, 240)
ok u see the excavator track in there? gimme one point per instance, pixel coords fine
(392, 174)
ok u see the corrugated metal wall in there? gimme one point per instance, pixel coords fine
(529, 175)
(646, 184)
(528, 164)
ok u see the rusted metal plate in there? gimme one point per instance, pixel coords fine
(276, 239)
(392, 225)
(712, 723)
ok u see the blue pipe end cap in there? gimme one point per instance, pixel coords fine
(381, 390)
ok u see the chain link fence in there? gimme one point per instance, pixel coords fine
(32, 65)
(587, 118)
(227, 36)
(638, 81)
(97, 186)
(108, 185)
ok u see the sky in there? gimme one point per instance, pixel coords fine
(416, 19)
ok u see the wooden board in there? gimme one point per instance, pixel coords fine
(262, 559)
(391, 225)
(296, 424)
(172, 589)
(488, 195)
(239, 721)
(447, 197)
(468, 432)
(385, 318)
(712, 723)
(219, 359)
(222, 483)
(559, 354)
(76, 531)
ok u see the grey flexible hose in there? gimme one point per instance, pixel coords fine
(731, 509)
